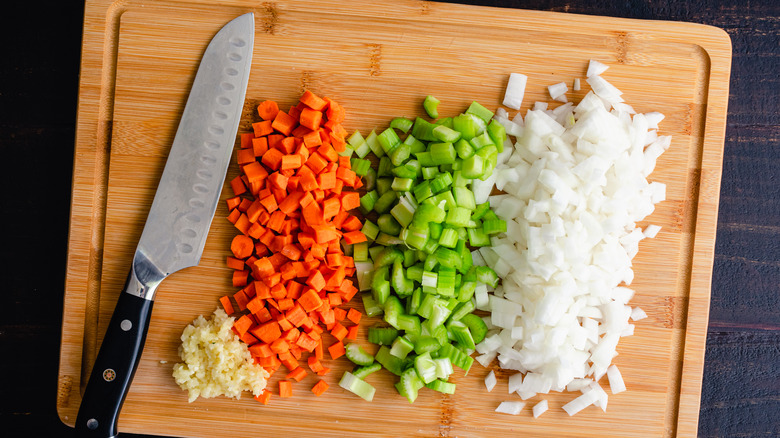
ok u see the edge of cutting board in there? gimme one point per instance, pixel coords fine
(92, 149)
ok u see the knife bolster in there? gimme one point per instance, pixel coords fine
(144, 278)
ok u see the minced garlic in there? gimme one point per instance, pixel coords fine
(216, 362)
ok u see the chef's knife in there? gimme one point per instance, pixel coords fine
(179, 219)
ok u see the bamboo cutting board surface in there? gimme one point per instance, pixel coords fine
(378, 59)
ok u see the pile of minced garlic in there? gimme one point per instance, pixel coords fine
(216, 362)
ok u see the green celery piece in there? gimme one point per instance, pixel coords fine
(476, 326)
(402, 124)
(371, 306)
(393, 308)
(448, 258)
(374, 251)
(429, 173)
(403, 212)
(401, 347)
(441, 386)
(493, 226)
(422, 191)
(347, 152)
(410, 257)
(428, 213)
(385, 239)
(406, 170)
(461, 334)
(402, 184)
(380, 286)
(370, 229)
(448, 238)
(409, 324)
(413, 302)
(373, 142)
(409, 385)
(363, 372)
(447, 198)
(462, 309)
(480, 211)
(431, 105)
(473, 167)
(400, 154)
(497, 133)
(385, 167)
(458, 358)
(443, 367)
(356, 139)
(395, 365)
(464, 198)
(362, 150)
(360, 166)
(464, 149)
(387, 257)
(443, 153)
(481, 141)
(487, 275)
(478, 238)
(416, 237)
(426, 344)
(439, 312)
(490, 215)
(425, 367)
(385, 202)
(435, 229)
(441, 182)
(414, 144)
(423, 130)
(389, 140)
(402, 286)
(445, 284)
(426, 305)
(437, 331)
(431, 246)
(383, 185)
(468, 125)
(480, 111)
(370, 179)
(357, 386)
(368, 201)
(415, 272)
(360, 252)
(358, 355)
(446, 134)
(458, 217)
(425, 159)
(381, 336)
(463, 250)
(388, 224)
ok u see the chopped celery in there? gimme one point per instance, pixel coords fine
(385, 167)
(465, 198)
(360, 252)
(373, 142)
(476, 326)
(370, 179)
(443, 153)
(442, 386)
(480, 111)
(461, 334)
(388, 224)
(473, 167)
(423, 130)
(414, 273)
(358, 355)
(381, 336)
(426, 344)
(393, 308)
(357, 386)
(462, 309)
(380, 286)
(402, 184)
(370, 305)
(385, 202)
(481, 141)
(400, 154)
(383, 185)
(409, 324)
(360, 166)
(425, 367)
(480, 211)
(401, 347)
(448, 238)
(446, 134)
(458, 217)
(365, 371)
(402, 286)
(486, 275)
(409, 385)
(394, 364)
(431, 105)
(468, 125)
(402, 124)
(457, 357)
(389, 140)
(464, 149)
(477, 237)
(493, 226)
(368, 201)
(370, 229)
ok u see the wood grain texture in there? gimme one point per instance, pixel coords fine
(681, 68)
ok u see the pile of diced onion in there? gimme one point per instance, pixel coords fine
(575, 184)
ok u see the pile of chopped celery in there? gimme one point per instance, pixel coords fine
(422, 219)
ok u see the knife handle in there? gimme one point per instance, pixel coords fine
(115, 365)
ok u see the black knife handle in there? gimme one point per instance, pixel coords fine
(115, 366)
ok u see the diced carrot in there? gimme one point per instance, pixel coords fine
(240, 278)
(354, 237)
(339, 332)
(242, 246)
(350, 200)
(246, 140)
(267, 110)
(310, 118)
(339, 313)
(238, 186)
(264, 397)
(268, 332)
(319, 388)
(259, 146)
(261, 350)
(225, 301)
(262, 128)
(284, 123)
(297, 374)
(273, 158)
(354, 315)
(243, 324)
(336, 350)
(285, 388)
(352, 332)
(313, 101)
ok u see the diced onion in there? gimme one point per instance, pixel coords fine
(540, 408)
(490, 381)
(596, 68)
(616, 383)
(515, 90)
(510, 407)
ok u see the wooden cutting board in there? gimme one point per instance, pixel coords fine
(378, 59)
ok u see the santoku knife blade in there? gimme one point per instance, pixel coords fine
(178, 222)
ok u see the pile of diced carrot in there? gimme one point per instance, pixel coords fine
(292, 206)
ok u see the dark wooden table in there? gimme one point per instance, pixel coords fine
(38, 95)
